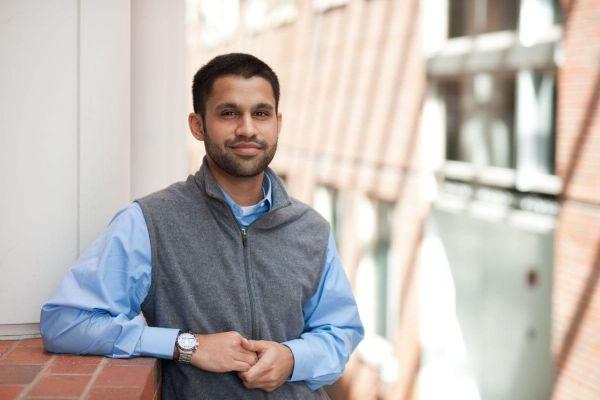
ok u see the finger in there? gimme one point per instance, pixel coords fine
(241, 366)
(247, 352)
(254, 373)
(259, 345)
(249, 358)
(247, 345)
(249, 385)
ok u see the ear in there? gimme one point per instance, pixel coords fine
(196, 126)
(279, 119)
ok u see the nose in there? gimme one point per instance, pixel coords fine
(246, 126)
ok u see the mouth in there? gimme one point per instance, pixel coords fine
(246, 149)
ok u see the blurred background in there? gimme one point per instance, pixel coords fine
(454, 146)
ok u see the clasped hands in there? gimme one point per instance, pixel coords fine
(260, 364)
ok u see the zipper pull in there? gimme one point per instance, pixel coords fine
(244, 237)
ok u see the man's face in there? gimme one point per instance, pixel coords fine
(241, 125)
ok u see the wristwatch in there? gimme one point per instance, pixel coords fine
(186, 344)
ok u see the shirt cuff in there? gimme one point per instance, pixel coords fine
(158, 342)
(302, 359)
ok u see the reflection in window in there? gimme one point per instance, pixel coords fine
(537, 18)
(535, 123)
(480, 119)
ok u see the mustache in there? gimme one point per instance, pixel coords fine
(235, 142)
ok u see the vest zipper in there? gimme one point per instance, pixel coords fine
(248, 279)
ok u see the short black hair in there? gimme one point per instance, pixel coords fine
(240, 64)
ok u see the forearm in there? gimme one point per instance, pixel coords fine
(71, 330)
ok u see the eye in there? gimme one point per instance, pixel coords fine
(262, 114)
(228, 113)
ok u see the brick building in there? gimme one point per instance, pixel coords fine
(454, 147)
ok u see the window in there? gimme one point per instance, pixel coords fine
(326, 202)
(480, 119)
(473, 17)
(381, 254)
(377, 280)
(495, 95)
(535, 123)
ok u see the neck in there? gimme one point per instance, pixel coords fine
(245, 191)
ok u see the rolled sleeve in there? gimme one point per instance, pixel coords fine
(157, 342)
(302, 359)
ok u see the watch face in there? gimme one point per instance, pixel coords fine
(186, 341)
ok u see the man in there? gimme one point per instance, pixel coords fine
(241, 286)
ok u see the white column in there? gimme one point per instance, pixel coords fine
(38, 153)
(104, 115)
(92, 114)
(159, 89)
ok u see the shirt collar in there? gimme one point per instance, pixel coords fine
(265, 202)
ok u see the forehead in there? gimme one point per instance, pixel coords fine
(240, 90)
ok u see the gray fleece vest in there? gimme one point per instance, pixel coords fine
(207, 277)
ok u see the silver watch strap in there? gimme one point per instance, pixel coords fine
(185, 356)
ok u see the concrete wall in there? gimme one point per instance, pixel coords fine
(70, 141)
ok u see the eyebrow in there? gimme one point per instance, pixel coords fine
(226, 105)
(263, 106)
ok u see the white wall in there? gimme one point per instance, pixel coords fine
(159, 95)
(70, 136)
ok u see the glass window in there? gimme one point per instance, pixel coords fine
(460, 19)
(381, 255)
(538, 17)
(501, 15)
(377, 281)
(479, 113)
(326, 202)
(472, 17)
(536, 96)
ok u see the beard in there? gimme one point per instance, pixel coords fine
(236, 165)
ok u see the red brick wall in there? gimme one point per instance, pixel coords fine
(576, 294)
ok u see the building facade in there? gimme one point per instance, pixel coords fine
(453, 145)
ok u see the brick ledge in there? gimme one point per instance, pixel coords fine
(29, 372)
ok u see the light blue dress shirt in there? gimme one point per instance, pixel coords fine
(96, 308)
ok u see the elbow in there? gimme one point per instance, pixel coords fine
(55, 324)
(48, 331)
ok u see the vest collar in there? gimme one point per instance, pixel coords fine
(207, 182)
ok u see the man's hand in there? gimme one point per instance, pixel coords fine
(223, 352)
(274, 366)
